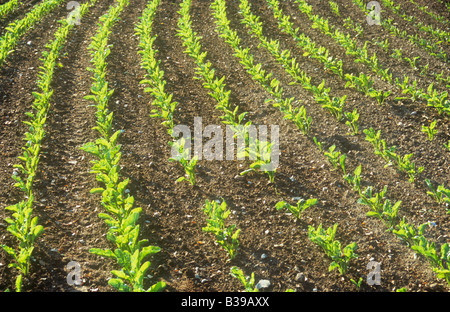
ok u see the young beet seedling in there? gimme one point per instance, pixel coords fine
(357, 283)
(335, 8)
(261, 151)
(301, 206)
(335, 106)
(299, 117)
(248, 282)
(325, 239)
(414, 237)
(440, 194)
(319, 144)
(352, 121)
(379, 95)
(227, 237)
(430, 130)
(183, 157)
(355, 179)
(334, 157)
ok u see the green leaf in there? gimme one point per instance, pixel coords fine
(280, 205)
(148, 250)
(97, 190)
(120, 274)
(19, 283)
(119, 285)
(180, 179)
(9, 251)
(103, 252)
(38, 230)
(132, 218)
(333, 266)
(157, 287)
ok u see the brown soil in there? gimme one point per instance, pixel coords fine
(273, 244)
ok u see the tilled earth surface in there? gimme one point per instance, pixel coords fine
(273, 244)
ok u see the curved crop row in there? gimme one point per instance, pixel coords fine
(435, 32)
(403, 164)
(334, 105)
(431, 48)
(435, 16)
(361, 83)
(17, 29)
(120, 216)
(259, 151)
(155, 80)
(381, 207)
(23, 225)
(432, 97)
(398, 54)
(324, 239)
(9, 7)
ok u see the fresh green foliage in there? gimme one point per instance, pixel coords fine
(261, 152)
(256, 71)
(120, 216)
(156, 87)
(354, 179)
(433, 47)
(362, 83)
(439, 259)
(336, 106)
(435, 32)
(226, 236)
(383, 44)
(362, 55)
(357, 283)
(298, 209)
(26, 229)
(378, 144)
(300, 118)
(318, 144)
(412, 61)
(381, 207)
(9, 7)
(309, 47)
(398, 53)
(379, 95)
(403, 164)
(345, 41)
(447, 146)
(334, 7)
(412, 89)
(182, 155)
(440, 194)
(350, 24)
(439, 101)
(155, 75)
(333, 156)
(248, 282)
(18, 28)
(23, 225)
(326, 240)
(352, 121)
(430, 130)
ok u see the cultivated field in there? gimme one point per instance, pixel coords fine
(93, 95)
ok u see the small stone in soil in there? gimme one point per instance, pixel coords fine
(263, 284)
